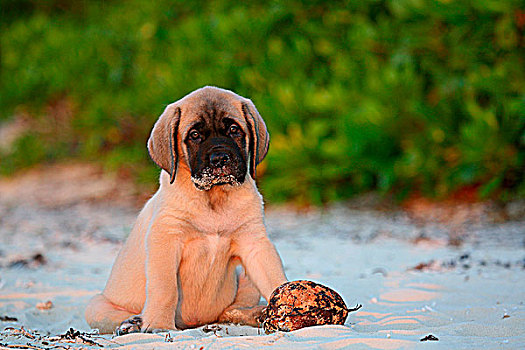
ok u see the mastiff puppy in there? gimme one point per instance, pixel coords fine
(179, 266)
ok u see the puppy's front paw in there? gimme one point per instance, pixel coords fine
(131, 325)
(242, 315)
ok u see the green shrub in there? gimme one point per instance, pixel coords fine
(401, 95)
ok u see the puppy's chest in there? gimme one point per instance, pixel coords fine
(207, 250)
(221, 222)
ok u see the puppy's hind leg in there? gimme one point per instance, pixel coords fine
(244, 309)
(104, 315)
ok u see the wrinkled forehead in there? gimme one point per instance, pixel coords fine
(209, 110)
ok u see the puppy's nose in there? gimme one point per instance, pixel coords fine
(219, 159)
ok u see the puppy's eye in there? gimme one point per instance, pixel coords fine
(194, 135)
(234, 129)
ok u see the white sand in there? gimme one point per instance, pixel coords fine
(366, 256)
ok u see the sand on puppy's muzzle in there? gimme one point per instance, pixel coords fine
(210, 177)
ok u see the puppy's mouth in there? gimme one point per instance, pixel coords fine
(210, 177)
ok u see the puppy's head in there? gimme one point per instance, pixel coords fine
(218, 134)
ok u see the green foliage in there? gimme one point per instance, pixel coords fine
(358, 95)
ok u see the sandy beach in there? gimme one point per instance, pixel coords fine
(461, 281)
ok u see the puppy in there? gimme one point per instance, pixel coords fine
(179, 266)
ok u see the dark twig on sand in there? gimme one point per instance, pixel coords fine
(8, 319)
(429, 337)
(73, 336)
(20, 331)
(22, 346)
(357, 307)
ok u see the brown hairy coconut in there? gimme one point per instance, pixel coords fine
(300, 304)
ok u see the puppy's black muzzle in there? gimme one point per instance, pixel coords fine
(218, 159)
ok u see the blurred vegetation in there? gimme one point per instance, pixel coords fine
(396, 96)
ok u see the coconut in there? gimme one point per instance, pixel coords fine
(299, 304)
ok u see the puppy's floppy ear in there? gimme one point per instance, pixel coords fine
(259, 137)
(162, 143)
